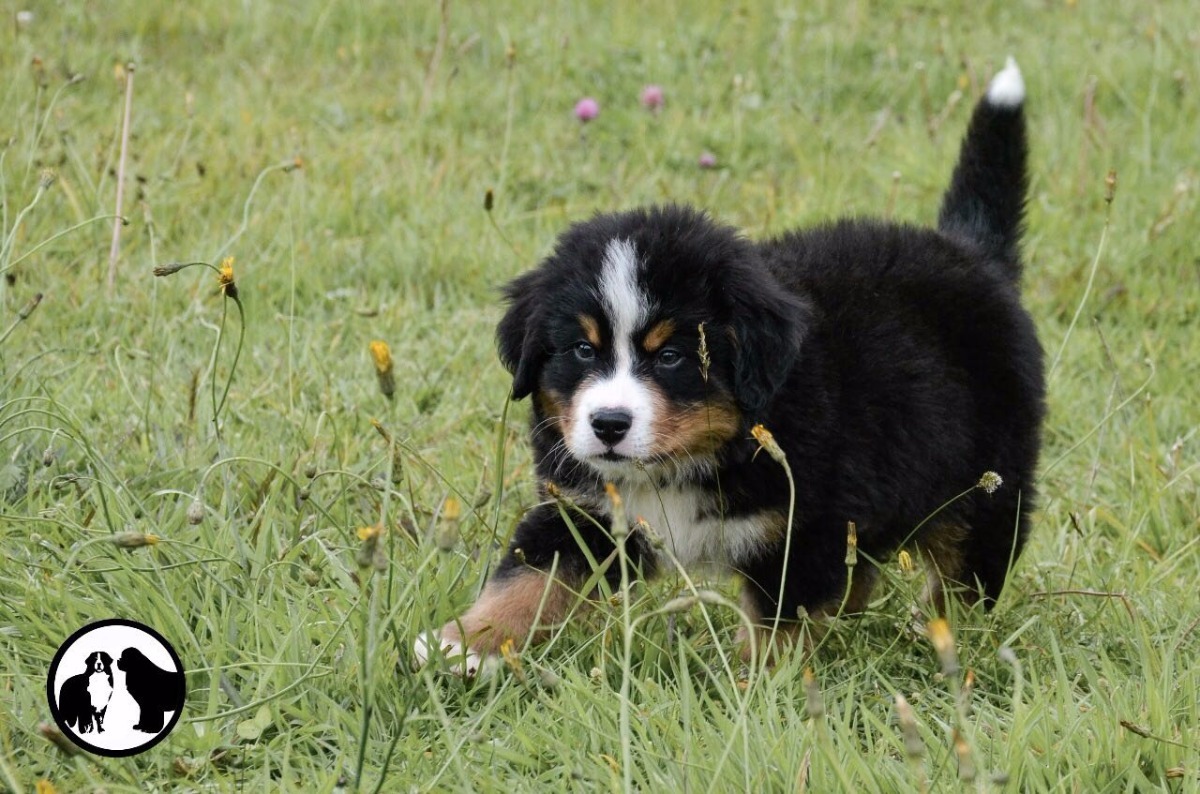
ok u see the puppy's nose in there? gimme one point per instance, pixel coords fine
(611, 424)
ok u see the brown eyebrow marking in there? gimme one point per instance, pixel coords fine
(657, 336)
(591, 329)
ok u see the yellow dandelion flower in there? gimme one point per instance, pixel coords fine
(508, 651)
(851, 544)
(943, 643)
(225, 277)
(906, 561)
(766, 440)
(370, 533)
(814, 703)
(133, 540)
(381, 354)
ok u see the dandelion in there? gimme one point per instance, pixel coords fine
(990, 482)
(447, 534)
(814, 704)
(24, 19)
(766, 440)
(905, 560)
(30, 307)
(708, 160)
(620, 523)
(381, 354)
(943, 643)
(370, 552)
(225, 278)
(652, 98)
(587, 109)
(508, 651)
(914, 748)
(47, 178)
(52, 734)
(851, 544)
(133, 540)
(966, 764)
(170, 269)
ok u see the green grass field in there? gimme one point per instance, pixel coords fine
(342, 152)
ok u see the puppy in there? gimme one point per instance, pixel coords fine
(893, 365)
(84, 698)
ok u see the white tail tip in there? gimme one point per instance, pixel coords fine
(1007, 89)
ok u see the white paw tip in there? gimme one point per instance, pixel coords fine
(1007, 89)
(462, 662)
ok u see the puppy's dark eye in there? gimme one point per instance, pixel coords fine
(669, 357)
(584, 351)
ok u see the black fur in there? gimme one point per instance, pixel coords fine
(156, 690)
(893, 364)
(75, 701)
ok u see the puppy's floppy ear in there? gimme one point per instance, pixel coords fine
(519, 334)
(768, 326)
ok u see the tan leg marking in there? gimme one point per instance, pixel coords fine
(509, 610)
(941, 550)
(789, 632)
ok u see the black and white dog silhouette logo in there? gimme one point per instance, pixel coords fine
(84, 697)
(157, 691)
(116, 687)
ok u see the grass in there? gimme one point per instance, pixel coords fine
(1085, 678)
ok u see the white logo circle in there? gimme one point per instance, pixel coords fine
(116, 687)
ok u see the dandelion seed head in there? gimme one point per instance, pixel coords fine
(990, 482)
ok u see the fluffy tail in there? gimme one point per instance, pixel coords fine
(985, 203)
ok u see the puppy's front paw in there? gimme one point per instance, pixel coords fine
(461, 659)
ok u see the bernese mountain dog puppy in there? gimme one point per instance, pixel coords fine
(893, 365)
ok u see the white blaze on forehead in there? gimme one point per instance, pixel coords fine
(627, 307)
(624, 302)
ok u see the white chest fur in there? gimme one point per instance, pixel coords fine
(693, 532)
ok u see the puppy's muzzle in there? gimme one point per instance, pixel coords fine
(610, 425)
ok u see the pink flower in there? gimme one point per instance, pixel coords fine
(587, 109)
(652, 97)
(708, 160)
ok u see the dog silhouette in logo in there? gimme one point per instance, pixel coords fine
(155, 690)
(84, 697)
